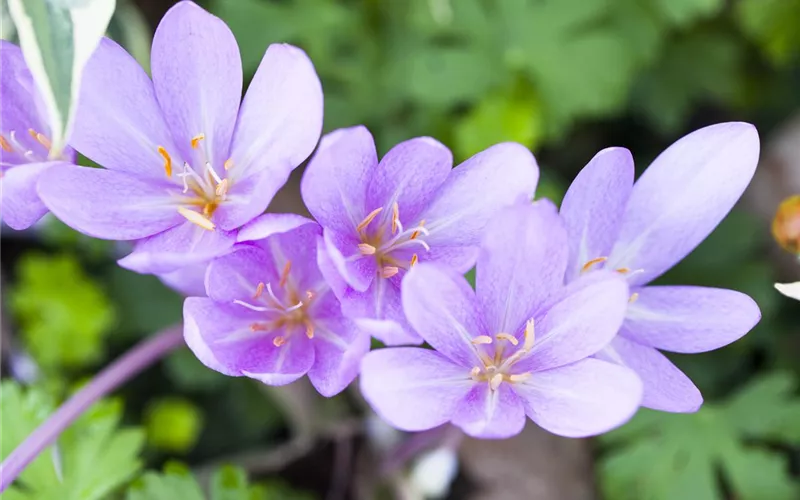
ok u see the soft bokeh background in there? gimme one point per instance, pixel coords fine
(564, 77)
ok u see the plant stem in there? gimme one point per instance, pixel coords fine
(131, 363)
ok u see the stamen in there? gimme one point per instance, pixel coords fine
(592, 262)
(168, 165)
(530, 335)
(416, 233)
(197, 218)
(309, 294)
(213, 173)
(44, 141)
(519, 377)
(222, 188)
(254, 308)
(414, 259)
(364, 223)
(272, 295)
(495, 382)
(294, 307)
(285, 274)
(228, 164)
(196, 140)
(395, 217)
(475, 372)
(366, 249)
(508, 337)
(259, 290)
(389, 271)
(259, 327)
(278, 341)
(5, 145)
(482, 339)
(309, 329)
(634, 297)
(623, 270)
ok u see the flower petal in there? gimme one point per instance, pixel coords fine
(490, 414)
(443, 309)
(580, 324)
(475, 190)
(583, 399)
(379, 310)
(247, 199)
(356, 270)
(791, 290)
(197, 73)
(281, 117)
(108, 204)
(682, 197)
(118, 123)
(188, 281)
(689, 319)
(666, 388)
(413, 389)
(594, 205)
(410, 174)
(266, 225)
(334, 184)
(21, 206)
(186, 244)
(522, 260)
(236, 276)
(221, 338)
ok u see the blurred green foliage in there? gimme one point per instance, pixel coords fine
(173, 424)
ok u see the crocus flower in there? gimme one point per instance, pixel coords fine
(185, 164)
(24, 141)
(379, 219)
(270, 315)
(641, 230)
(518, 345)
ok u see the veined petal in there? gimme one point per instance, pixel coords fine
(475, 190)
(334, 185)
(582, 399)
(356, 270)
(297, 250)
(413, 389)
(197, 73)
(490, 414)
(522, 260)
(188, 281)
(108, 204)
(682, 197)
(791, 290)
(689, 319)
(221, 338)
(410, 174)
(118, 122)
(666, 388)
(185, 244)
(21, 206)
(266, 225)
(236, 276)
(379, 310)
(594, 205)
(248, 198)
(281, 117)
(444, 311)
(339, 346)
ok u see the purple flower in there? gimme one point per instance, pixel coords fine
(185, 164)
(270, 315)
(519, 345)
(379, 219)
(24, 141)
(642, 230)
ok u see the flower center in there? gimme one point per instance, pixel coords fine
(497, 366)
(35, 148)
(287, 309)
(205, 188)
(621, 270)
(389, 243)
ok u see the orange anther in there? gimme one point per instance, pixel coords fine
(228, 164)
(364, 223)
(592, 262)
(278, 341)
(416, 233)
(5, 145)
(389, 271)
(285, 273)
(414, 259)
(395, 216)
(259, 290)
(167, 160)
(196, 140)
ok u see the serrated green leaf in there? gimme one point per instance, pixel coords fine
(57, 39)
(175, 482)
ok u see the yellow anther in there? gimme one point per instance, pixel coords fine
(416, 233)
(495, 381)
(508, 337)
(278, 341)
(309, 329)
(196, 140)
(222, 188)
(414, 259)
(5, 145)
(40, 138)
(519, 377)
(364, 223)
(482, 339)
(259, 290)
(389, 271)
(285, 274)
(167, 160)
(475, 372)
(634, 297)
(623, 270)
(592, 262)
(259, 327)
(228, 164)
(197, 218)
(366, 249)
(530, 335)
(395, 217)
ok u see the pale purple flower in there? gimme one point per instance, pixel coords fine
(186, 166)
(381, 218)
(518, 345)
(641, 230)
(270, 315)
(24, 141)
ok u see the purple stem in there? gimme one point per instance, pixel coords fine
(114, 375)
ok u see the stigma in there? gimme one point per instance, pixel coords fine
(497, 365)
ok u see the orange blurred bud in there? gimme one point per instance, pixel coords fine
(786, 225)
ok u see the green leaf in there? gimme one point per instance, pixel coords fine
(662, 456)
(773, 25)
(173, 424)
(57, 38)
(63, 314)
(176, 482)
(130, 29)
(145, 304)
(682, 12)
(92, 458)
